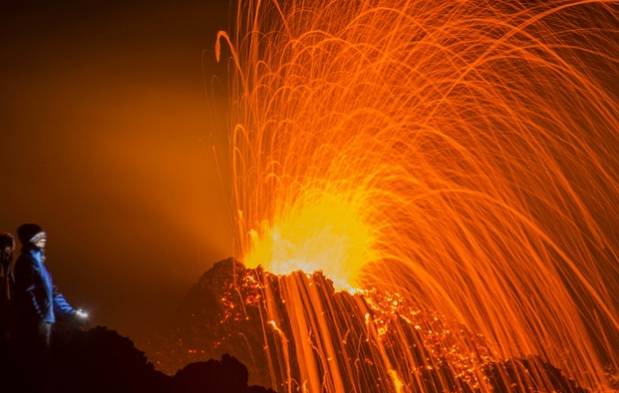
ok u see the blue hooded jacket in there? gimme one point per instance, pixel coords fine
(36, 298)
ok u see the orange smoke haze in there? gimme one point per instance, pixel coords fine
(108, 141)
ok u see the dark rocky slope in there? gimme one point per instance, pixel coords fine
(222, 314)
(101, 361)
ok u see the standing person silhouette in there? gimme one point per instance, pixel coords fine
(7, 246)
(37, 303)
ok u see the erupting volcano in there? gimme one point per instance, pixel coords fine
(452, 168)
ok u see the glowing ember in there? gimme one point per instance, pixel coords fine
(459, 154)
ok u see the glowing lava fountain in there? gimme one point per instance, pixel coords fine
(462, 155)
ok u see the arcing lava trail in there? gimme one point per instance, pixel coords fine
(458, 156)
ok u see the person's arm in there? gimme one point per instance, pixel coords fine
(62, 306)
(33, 300)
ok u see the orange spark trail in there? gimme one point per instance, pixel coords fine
(461, 155)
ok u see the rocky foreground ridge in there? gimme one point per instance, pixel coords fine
(224, 313)
(101, 361)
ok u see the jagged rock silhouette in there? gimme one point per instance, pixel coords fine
(216, 317)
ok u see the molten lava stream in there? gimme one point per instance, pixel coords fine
(451, 164)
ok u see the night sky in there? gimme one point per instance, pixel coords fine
(113, 122)
(113, 138)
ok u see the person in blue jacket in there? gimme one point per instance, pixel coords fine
(37, 302)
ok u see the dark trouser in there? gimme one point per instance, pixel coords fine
(32, 349)
(45, 335)
(33, 336)
(4, 332)
(5, 323)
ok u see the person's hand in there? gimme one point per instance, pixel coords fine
(81, 314)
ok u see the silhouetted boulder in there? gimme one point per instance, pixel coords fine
(517, 372)
(100, 360)
(227, 375)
